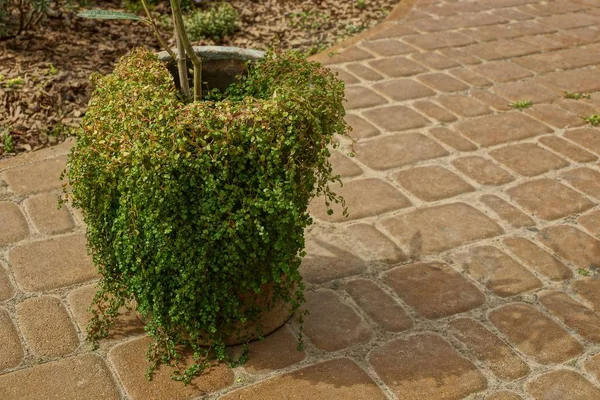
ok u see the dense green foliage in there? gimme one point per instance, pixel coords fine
(215, 23)
(191, 207)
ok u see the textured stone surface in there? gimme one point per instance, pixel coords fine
(46, 216)
(426, 367)
(575, 246)
(535, 334)
(507, 211)
(497, 271)
(375, 245)
(567, 149)
(528, 159)
(489, 349)
(435, 290)
(364, 198)
(590, 221)
(398, 150)
(562, 384)
(50, 264)
(432, 183)
(538, 259)
(452, 139)
(586, 180)
(572, 313)
(14, 225)
(75, 378)
(46, 327)
(360, 127)
(397, 66)
(379, 305)
(335, 379)
(548, 199)
(586, 137)
(38, 177)
(403, 89)
(482, 170)
(396, 118)
(11, 352)
(441, 227)
(501, 128)
(443, 82)
(464, 106)
(331, 324)
(434, 111)
(361, 97)
(129, 360)
(6, 288)
(503, 396)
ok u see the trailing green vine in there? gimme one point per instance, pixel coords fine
(192, 207)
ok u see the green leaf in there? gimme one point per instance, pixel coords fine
(108, 14)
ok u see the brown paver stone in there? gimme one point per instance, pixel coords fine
(75, 378)
(503, 396)
(426, 367)
(502, 71)
(435, 60)
(535, 334)
(379, 305)
(452, 139)
(364, 72)
(364, 198)
(126, 324)
(388, 47)
(396, 118)
(432, 182)
(38, 155)
(567, 149)
(570, 21)
(335, 379)
(403, 89)
(491, 99)
(14, 225)
(494, 32)
(525, 90)
(397, 66)
(53, 263)
(577, 107)
(360, 128)
(590, 221)
(558, 385)
(537, 259)
(501, 128)
(441, 227)
(47, 327)
(554, 115)
(581, 249)
(560, 59)
(435, 290)
(580, 80)
(464, 106)
(572, 313)
(470, 77)
(528, 159)
(43, 210)
(398, 150)
(489, 349)
(361, 97)
(434, 111)
(443, 82)
(347, 55)
(460, 55)
(349, 79)
(592, 365)
(589, 290)
(507, 211)
(497, 271)
(42, 176)
(439, 40)
(501, 49)
(7, 290)
(331, 324)
(328, 258)
(482, 170)
(129, 360)
(11, 352)
(343, 165)
(278, 350)
(586, 137)
(586, 180)
(548, 199)
(375, 245)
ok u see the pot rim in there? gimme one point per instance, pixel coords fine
(219, 53)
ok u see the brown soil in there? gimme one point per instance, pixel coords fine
(55, 61)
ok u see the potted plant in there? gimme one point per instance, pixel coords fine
(196, 210)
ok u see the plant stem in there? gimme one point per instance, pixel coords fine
(182, 68)
(187, 45)
(155, 29)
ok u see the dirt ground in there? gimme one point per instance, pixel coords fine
(44, 73)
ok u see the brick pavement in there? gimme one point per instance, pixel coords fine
(468, 268)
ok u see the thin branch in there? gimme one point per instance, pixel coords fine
(155, 29)
(187, 45)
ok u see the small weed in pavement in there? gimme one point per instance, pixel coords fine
(576, 96)
(593, 120)
(521, 104)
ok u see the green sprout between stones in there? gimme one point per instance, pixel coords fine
(593, 120)
(361, 4)
(10, 83)
(576, 96)
(584, 272)
(8, 143)
(521, 104)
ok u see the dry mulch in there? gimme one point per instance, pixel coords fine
(55, 61)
